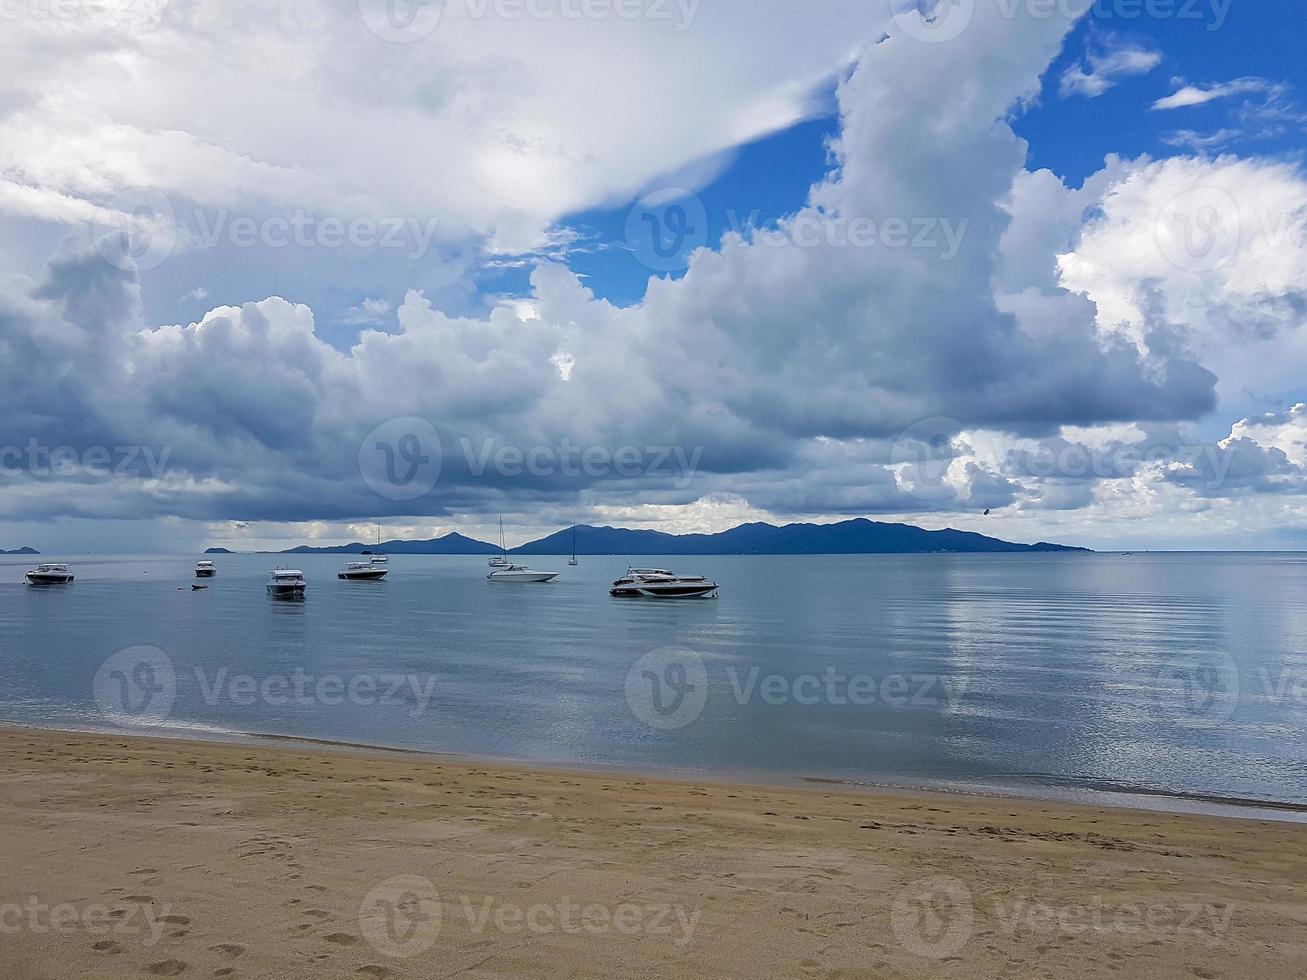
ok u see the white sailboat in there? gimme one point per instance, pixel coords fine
(378, 558)
(500, 560)
(574, 562)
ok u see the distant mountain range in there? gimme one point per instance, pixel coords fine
(450, 544)
(20, 551)
(857, 537)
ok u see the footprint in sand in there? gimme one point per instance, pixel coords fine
(372, 970)
(229, 949)
(175, 920)
(107, 946)
(317, 914)
(225, 971)
(167, 968)
(341, 939)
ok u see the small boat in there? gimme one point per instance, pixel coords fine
(520, 574)
(198, 588)
(287, 583)
(501, 560)
(659, 583)
(49, 574)
(364, 571)
(378, 556)
(205, 569)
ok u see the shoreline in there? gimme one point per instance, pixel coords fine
(192, 858)
(1066, 792)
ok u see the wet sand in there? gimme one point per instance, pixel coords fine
(128, 857)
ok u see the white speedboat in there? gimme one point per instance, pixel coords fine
(363, 571)
(49, 574)
(205, 569)
(659, 583)
(287, 583)
(521, 574)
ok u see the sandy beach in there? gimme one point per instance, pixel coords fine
(130, 857)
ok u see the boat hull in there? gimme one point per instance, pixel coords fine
(371, 575)
(286, 591)
(522, 578)
(701, 591)
(34, 578)
(205, 573)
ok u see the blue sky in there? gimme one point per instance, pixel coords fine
(1071, 135)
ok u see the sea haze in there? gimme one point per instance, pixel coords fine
(1179, 674)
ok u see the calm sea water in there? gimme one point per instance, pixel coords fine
(1182, 674)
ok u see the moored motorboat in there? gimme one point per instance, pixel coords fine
(205, 569)
(520, 574)
(659, 583)
(364, 571)
(49, 574)
(287, 583)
